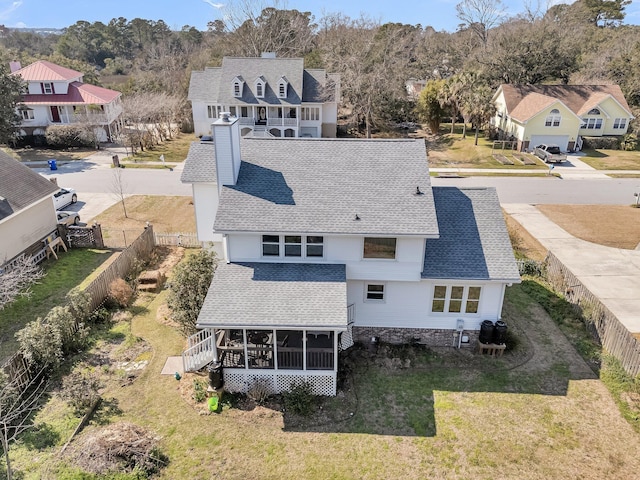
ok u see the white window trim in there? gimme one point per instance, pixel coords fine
(620, 123)
(447, 299)
(236, 89)
(307, 114)
(375, 300)
(587, 121)
(263, 86)
(27, 114)
(303, 247)
(370, 259)
(552, 121)
(50, 89)
(282, 84)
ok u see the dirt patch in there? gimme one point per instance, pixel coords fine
(610, 225)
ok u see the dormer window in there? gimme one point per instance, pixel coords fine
(282, 87)
(238, 83)
(553, 119)
(47, 88)
(261, 84)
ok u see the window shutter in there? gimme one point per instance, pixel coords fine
(42, 87)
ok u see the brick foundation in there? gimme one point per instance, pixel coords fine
(424, 336)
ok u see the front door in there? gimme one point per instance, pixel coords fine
(55, 114)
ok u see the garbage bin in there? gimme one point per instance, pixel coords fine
(215, 375)
(53, 164)
(116, 161)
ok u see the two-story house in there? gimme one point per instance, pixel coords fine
(270, 96)
(55, 95)
(559, 114)
(326, 241)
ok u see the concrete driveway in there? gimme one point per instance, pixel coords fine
(91, 204)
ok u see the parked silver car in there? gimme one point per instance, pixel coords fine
(64, 197)
(68, 218)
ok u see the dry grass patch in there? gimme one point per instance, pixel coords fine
(35, 154)
(166, 214)
(523, 242)
(610, 225)
(612, 159)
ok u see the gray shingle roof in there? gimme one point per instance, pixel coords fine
(474, 243)
(276, 294)
(214, 85)
(20, 186)
(319, 185)
(200, 165)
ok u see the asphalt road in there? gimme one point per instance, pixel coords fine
(552, 190)
(96, 186)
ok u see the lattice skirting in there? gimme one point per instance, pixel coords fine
(240, 381)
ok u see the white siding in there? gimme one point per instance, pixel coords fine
(342, 249)
(205, 201)
(26, 227)
(227, 145)
(408, 305)
(201, 122)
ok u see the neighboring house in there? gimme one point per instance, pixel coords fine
(414, 88)
(56, 95)
(326, 241)
(559, 114)
(270, 96)
(27, 215)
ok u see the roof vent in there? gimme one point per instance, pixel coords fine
(224, 116)
(357, 217)
(418, 191)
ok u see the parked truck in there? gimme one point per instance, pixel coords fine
(549, 153)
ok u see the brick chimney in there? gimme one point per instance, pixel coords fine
(226, 140)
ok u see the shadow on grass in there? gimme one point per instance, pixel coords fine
(396, 390)
(41, 436)
(595, 153)
(107, 411)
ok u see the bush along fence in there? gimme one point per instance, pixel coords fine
(614, 337)
(65, 327)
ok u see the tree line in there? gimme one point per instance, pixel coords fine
(585, 42)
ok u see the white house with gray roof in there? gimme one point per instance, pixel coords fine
(327, 241)
(270, 96)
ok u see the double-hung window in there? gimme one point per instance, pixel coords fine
(375, 292)
(270, 246)
(315, 246)
(455, 299)
(27, 114)
(293, 246)
(47, 88)
(620, 123)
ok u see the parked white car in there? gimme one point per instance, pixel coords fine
(68, 218)
(64, 197)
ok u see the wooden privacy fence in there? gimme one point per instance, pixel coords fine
(180, 239)
(604, 325)
(139, 250)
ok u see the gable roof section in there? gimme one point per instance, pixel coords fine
(276, 294)
(20, 186)
(525, 101)
(319, 185)
(77, 94)
(44, 71)
(474, 243)
(200, 165)
(214, 84)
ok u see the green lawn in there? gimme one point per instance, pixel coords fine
(405, 413)
(61, 277)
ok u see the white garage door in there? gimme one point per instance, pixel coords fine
(561, 140)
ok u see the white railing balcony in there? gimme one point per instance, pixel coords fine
(201, 351)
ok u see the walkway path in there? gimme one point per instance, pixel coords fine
(611, 274)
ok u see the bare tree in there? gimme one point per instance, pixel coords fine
(17, 404)
(17, 278)
(480, 16)
(119, 187)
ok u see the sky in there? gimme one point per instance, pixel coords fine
(440, 14)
